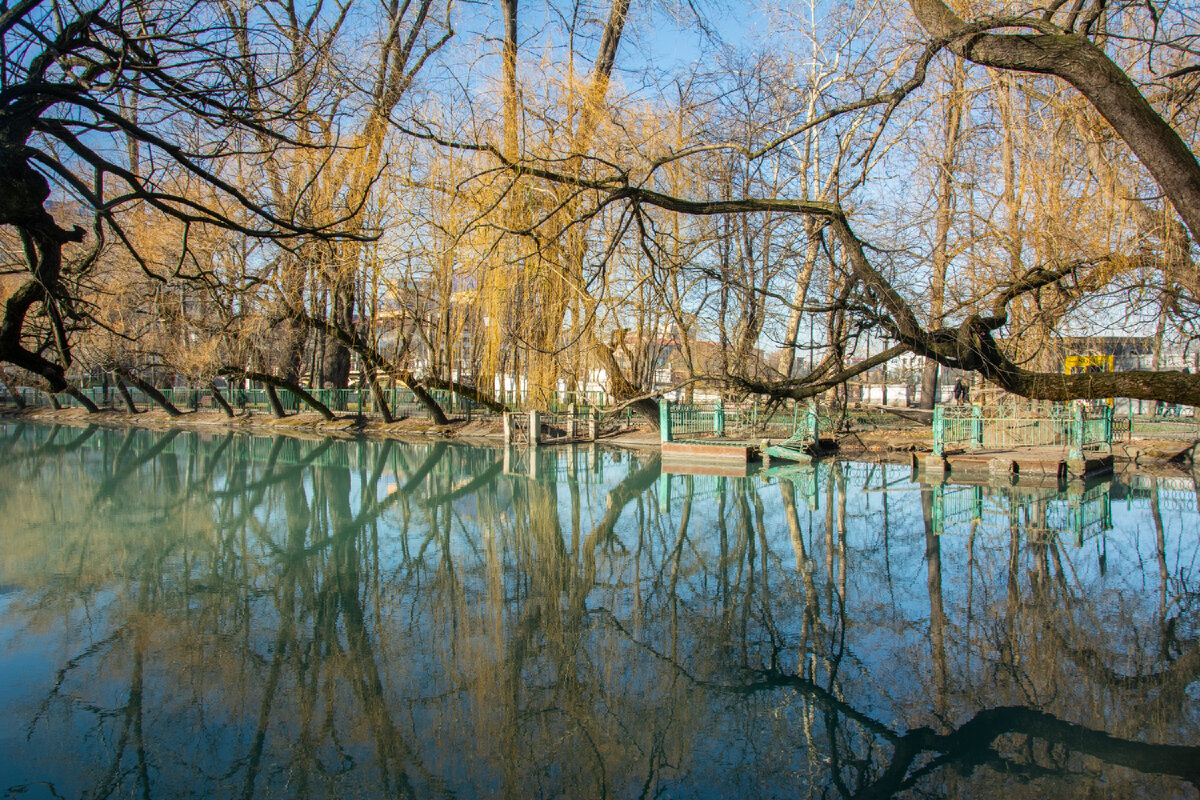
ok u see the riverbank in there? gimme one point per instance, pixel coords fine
(1158, 456)
(306, 425)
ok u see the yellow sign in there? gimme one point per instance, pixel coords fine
(1081, 365)
(1078, 365)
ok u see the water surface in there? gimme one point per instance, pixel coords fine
(189, 615)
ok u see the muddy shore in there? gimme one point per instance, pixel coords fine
(1153, 456)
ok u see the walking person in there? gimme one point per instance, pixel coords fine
(961, 392)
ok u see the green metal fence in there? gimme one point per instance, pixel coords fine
(741, 422)
(1183, 425)
(1002, 427)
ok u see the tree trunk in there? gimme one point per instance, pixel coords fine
(123, 390)
(373, 360)
(380, 400)
(221, 401)
(271, 383)
(951, 133)
(83, 399)
(803, 281)
(509, 79)
(336, 363)
(273, 401)
(15, 395)
(154, 394)
(622, 390)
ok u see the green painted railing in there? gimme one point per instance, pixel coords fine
(678, 422)
(1182, 423)
(1003, 427)
(751, 421)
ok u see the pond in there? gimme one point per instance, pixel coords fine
(189, 614)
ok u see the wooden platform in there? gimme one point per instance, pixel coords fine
(1048, 463)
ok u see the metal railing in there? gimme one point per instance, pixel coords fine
(1004, 427)
(1182, 425)
(749, 421)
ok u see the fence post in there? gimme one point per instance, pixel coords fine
(664, 419)
(976, 426)
(572, 423)
(719, 418)
(593, 424)
(1076, 453)
(507, 417)
(939, 431)
(535, 428)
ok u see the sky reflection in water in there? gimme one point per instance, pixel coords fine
(224, 615)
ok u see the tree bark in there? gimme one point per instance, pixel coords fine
(373, 360)
(14, 394)
(1085, 66)
(154, 394)
(381, 400)
(336, 359)
(123, 390)
(940, 257)
(509, 79)
(273, 401)
(221, 401)
(271, 383)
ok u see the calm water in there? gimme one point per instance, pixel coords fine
(187, 615)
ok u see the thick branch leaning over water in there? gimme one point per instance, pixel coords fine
(970, 345)
(1050, 50)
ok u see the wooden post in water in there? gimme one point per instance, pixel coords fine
(572, 423)
(508, 429)
(535, 428)
(593, 424)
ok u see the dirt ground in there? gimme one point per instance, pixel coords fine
(893, 445)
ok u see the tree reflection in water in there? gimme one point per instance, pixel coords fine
(235, 616)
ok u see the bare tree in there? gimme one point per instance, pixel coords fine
(108, 107)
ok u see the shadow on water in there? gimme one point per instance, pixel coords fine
(241, 616)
